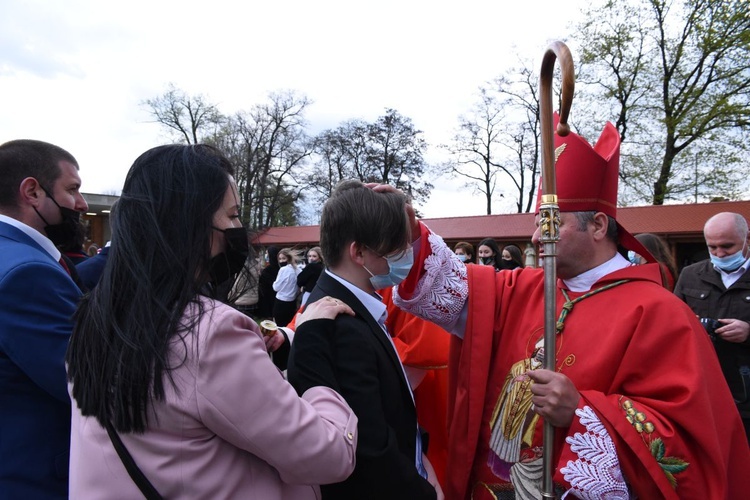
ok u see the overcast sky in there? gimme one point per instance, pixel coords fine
(75, 72)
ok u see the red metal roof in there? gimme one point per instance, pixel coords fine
(289, 236)
(675, 221)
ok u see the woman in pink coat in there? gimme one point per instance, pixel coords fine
(183, 381)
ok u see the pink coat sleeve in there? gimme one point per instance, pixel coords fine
(244, 399)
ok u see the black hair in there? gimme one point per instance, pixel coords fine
(273, 258)
(28, 158)
(516, 255)
(492, 244)
(660, 251)
(118, 356)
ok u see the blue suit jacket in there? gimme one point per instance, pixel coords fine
(37, 302)
(90, 270)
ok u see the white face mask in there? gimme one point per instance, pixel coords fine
(398, 269)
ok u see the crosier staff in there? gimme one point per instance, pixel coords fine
(549, 218)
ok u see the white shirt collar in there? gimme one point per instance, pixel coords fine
(584, 281)
(740, 270)
(372, 302)
(730, 279)
(35, 235)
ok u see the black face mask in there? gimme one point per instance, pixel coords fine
(65, 232)
(282, 264)
(229, 262)
(487, 260)
(507, 264)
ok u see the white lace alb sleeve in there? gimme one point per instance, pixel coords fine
(442, 290)
(596, 474)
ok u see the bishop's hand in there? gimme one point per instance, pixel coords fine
(555, 398)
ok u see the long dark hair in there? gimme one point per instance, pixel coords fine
(661, 252)
(516, 257)
(157, 264)
(492, 244)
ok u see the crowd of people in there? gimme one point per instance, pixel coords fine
(392, 366)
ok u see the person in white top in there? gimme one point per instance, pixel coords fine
(285, 287)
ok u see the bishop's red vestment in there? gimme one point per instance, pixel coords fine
(654, 414)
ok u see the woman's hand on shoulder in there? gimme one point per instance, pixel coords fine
(325, 308)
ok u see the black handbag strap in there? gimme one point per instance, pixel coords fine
(135, 473)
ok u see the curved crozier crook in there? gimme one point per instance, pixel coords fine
(556, 51)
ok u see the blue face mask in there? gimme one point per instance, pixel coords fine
(398, 268)
(633, 257)
(730, 262)
(462, 257)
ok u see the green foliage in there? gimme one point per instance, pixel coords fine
(670, 465)
(676, 75)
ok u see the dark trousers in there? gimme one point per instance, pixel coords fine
(283, 312)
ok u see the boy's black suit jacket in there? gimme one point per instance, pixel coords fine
(369, 376)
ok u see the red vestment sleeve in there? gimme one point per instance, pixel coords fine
(406, 288)
(469, 364)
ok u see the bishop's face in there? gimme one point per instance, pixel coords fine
(575, 250)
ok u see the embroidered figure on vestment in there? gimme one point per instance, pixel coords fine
(511, 456)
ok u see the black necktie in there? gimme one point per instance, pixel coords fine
(70, 268)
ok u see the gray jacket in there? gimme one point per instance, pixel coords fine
(700, 286)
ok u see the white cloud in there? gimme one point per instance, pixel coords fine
(74, 73)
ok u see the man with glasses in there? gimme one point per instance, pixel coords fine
(365, 240)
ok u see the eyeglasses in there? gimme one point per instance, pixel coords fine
(398, 254)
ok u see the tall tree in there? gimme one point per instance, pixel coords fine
(269, 146)
(395, 155)
(474, 146)
(499, 139)
(676, 73)
(389, 150)
(340, 153)
(190, 118)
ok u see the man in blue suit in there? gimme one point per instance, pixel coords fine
(91, 269)
(40, 204)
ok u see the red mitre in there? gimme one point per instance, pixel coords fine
(587, 178)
